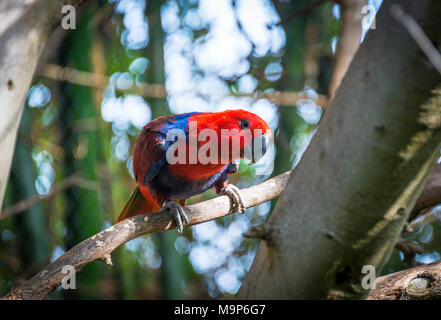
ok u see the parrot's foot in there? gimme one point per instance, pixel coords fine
(233, 193)
(177, 212)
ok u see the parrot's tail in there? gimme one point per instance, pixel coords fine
(137, 204)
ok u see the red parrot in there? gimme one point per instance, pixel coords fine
(161, 179)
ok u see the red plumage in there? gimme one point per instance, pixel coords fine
(159, 180)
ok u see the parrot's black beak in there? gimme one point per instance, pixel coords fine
(257, 149)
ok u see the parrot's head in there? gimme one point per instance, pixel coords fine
(248, 131)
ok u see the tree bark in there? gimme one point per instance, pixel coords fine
(419, 283)
(431, 195)
(375, 147)
(24, 28)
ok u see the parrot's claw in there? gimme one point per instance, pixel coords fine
(233, 193)
(177, 212)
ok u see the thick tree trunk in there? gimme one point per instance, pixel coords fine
(348, 199)
(24, 29)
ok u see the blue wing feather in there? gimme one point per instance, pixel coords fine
(149, 156)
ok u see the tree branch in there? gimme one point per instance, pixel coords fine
(430, 196)
(348, 41)
(25, 204)
(99, 246)
(302, 12)
(422, 282)
(409, 250)
(418, 35)
(156, 90)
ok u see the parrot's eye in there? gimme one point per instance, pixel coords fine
(244, 124)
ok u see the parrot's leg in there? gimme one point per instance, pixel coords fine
(177, 212)
(232, 192)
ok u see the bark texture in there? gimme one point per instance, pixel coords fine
(348, 199)
(431, 195)
(419, 283)
(24, 28)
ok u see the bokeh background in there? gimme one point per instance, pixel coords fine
(130, 61)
